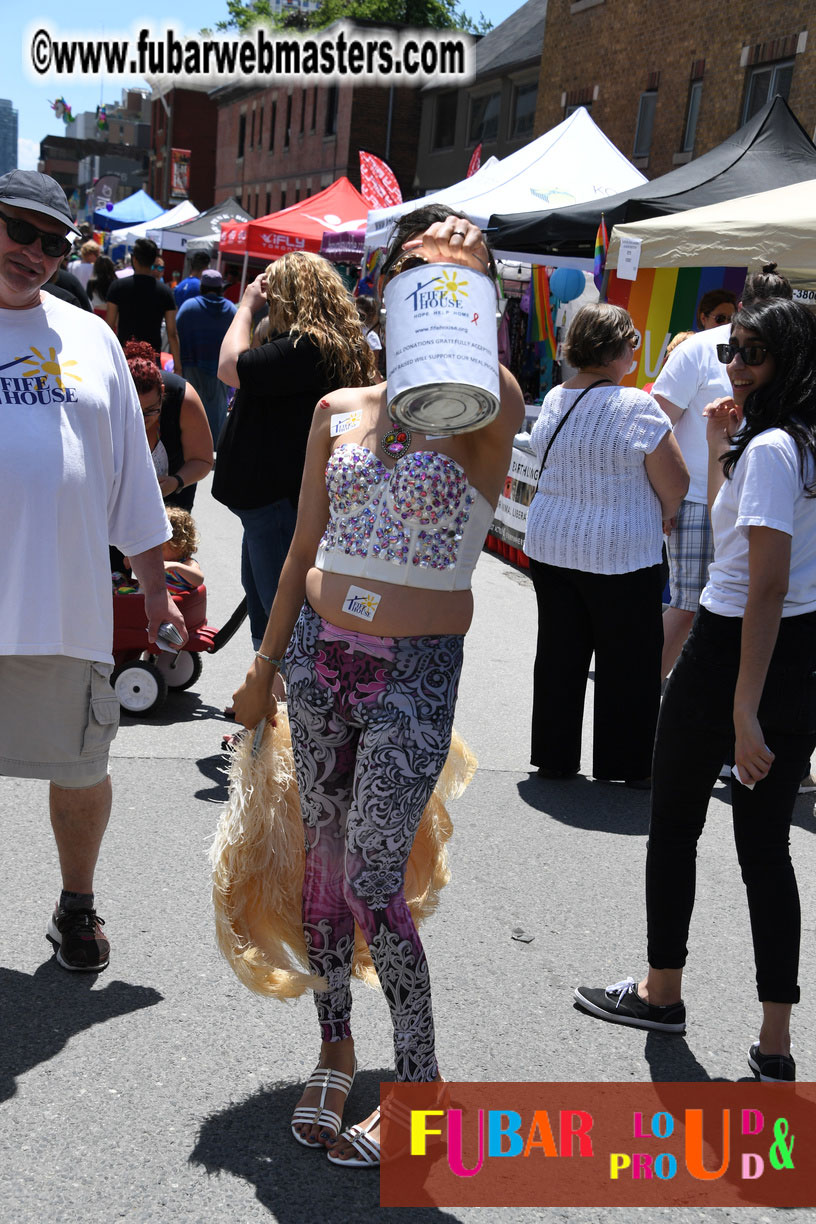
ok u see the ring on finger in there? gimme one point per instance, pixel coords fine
(458, 234)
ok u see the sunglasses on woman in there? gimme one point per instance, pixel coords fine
(23, 232)
(404, 263)
(752, 354)
(720, 318)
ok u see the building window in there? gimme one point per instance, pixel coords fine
(572, 107)
(260, 127)
(763, 83)
(645, 123)
(273, 118)
(524, 104)
(287, 132)
(241, 135)
(303, 111)
(330, 128)
(444, 133)
(252, 131)
(692, 114)
(314, 109)
(484, 118)
(268, 203)
(283, 198)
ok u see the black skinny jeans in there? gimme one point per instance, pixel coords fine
(618, 617)
(695, 735)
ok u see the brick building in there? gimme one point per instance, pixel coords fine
(667, 80)
(184, 119)
(496, 109)
(278, 145)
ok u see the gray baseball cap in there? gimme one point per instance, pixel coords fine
(38, 193)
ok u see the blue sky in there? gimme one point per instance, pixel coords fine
(33, 100)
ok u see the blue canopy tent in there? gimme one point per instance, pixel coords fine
(133, 211)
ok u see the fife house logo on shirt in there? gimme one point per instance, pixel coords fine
(443, 288)
(41, 381)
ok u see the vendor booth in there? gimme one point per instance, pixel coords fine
(300, 227)
(134, 210)
(771, 150)
(572, 162)
(679, 258)
(127, 235)
(206, 225)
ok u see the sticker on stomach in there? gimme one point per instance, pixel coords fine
(359, 602)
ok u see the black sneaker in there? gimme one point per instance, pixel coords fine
(771, 1068)
(80, 944)
(622, 1004)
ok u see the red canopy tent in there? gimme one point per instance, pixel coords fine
(300, 227)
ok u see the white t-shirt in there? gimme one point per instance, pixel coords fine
(75, 474)
(691, 378)
(765, 490)
(82, 271)
(595, 509)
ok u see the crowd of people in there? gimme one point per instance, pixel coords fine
(347, 520)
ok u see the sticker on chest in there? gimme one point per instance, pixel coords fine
(342, 422)
(359, 602)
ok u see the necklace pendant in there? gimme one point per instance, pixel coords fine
(396, 442)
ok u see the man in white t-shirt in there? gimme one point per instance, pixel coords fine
(75, 474)
(692, 377)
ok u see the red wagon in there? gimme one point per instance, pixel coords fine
(143, 673)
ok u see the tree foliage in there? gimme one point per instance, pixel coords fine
(422, 14)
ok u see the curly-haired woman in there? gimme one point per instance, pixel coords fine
(316, 344)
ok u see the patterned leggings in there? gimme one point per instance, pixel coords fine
(371, 721)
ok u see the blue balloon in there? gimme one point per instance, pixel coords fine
(566, 284)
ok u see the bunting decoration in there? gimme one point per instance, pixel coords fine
(601, 247)
(475, 160)
(378, 183)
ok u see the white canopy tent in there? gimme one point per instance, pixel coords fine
(571, 163)
(185, 211)
(776, 226)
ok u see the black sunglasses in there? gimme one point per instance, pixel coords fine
(752, 354)
(53, 245)
(403, 262)
(720, 318)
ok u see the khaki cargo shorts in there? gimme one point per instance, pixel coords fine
(58, 718)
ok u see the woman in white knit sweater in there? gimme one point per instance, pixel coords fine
(612, 478)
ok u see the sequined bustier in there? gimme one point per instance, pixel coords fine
(418, 524)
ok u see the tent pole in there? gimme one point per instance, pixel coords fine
(244, 272)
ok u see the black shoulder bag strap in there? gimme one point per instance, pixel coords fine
(599, 382)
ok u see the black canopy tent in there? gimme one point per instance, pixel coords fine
(206, 225)
(771, 150)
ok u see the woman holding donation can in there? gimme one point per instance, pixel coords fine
(746, 678)
(611, 475)
(372, 607)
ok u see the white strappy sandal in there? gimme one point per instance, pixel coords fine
(317, 1115)
(368, 1150)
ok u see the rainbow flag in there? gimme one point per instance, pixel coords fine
(662, 302)
(601, 247)
(540, 327)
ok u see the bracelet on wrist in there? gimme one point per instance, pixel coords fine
(276, 663)
(180, 480)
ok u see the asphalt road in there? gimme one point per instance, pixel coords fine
(161, 1089)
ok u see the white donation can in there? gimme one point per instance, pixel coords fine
(442, 349)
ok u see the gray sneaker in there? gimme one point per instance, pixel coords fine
(622, 1004)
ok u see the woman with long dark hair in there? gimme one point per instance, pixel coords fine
(744, 683)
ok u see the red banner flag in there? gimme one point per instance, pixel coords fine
(378, 185)
(475, 160)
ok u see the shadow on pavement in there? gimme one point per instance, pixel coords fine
(608, 807)
(185, 706)
(40, 1012)
(215, 768)
(252, 1140)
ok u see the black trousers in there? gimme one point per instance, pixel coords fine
(618, 617)
(695, 735)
